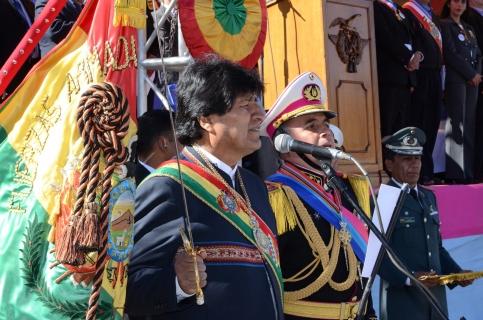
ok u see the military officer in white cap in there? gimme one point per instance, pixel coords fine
(320, 257)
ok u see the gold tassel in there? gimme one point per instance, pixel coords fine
(89, 239)
(282, 207)
(65, 248)
(361, 189)
(130, 13)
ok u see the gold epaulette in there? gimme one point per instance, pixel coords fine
(360, 185)
(281, 200)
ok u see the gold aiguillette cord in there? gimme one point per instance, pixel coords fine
(200, 297)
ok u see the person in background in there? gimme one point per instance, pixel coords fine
(473, 16)
(61, 25)
(155, 142)
(320, 265)
(397, 58)
(463, 67)
(16, 17)
(233, 227)
(416, 239)
(427, 97)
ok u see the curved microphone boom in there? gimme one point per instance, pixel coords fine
(285, 143)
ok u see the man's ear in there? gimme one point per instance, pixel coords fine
(162, 143)
(206, 123)
(389, 165)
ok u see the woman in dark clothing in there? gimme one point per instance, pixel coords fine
(463, 66)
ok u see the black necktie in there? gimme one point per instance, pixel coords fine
(414, 194)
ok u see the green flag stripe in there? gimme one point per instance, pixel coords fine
(29, 290)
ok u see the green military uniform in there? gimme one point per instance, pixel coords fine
(416, 239)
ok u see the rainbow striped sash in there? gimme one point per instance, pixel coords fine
(214, 193)
(318, 201)
(426, 20)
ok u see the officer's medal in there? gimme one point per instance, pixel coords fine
(345, 237)
(227, 202)
(263, 241)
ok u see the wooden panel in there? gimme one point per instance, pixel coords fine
(298, 41)
(294, 44)
(353, 111)
(353, 95)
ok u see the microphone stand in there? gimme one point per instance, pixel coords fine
(381, 253)
(334, 182)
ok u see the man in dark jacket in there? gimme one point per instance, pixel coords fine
(396, 59)
(233, 227)
(16, 16)
(155, 142)
(416, 238)
(61, 25)
(427, 98)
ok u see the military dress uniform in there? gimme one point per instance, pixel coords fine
(319, 266)
(416, 239)
(241, 285)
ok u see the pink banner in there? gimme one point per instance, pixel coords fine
(461, 209)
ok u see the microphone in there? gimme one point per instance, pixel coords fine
(285, 143)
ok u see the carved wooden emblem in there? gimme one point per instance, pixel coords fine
(348, 42)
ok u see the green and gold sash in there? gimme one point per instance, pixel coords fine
(218, 196)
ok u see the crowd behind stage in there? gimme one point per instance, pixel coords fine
(429, 70)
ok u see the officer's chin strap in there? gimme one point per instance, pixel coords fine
(311, 163)
(334, 182)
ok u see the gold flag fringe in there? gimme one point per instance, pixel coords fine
(130, 13)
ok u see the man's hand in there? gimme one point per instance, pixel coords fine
(428, 282)
(475, 81)
(465, 283)
(185, 271)
(415, 60)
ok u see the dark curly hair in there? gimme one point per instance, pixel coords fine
(445, 13)
(210, 86)
(151, 125)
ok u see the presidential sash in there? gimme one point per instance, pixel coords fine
(215, 194)
(320, 202)
(426, 21)
(388, 3)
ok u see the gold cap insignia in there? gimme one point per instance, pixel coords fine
(311, 92)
